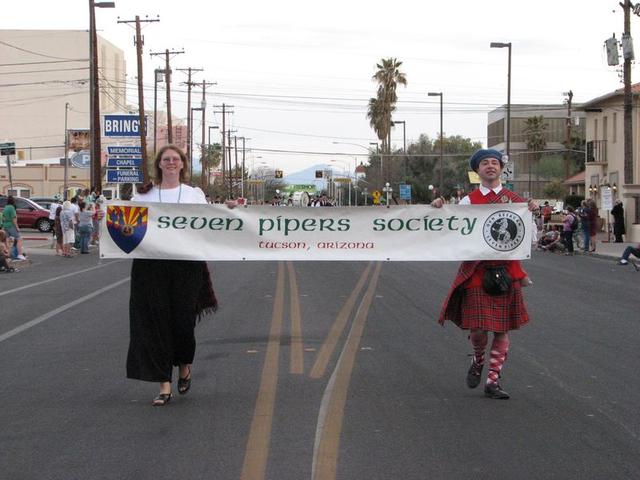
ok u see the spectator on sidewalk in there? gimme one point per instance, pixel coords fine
(52, 217)
(57, 230)
(67, 220)
(567, 229)
(76, 218)
(625, 260)
(583, 214)
(10, 225)
(593, 224)
(551, 240)
(546, 214)
(85, 226)
(618, 221)
(4, 255)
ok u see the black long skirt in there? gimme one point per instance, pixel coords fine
(162, 315)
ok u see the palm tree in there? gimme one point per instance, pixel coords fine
(388, 77)
(535, 129)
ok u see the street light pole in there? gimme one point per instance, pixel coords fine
(66, 153)
(94, 97)
(439, 94)
(508, 139)
(404, 145)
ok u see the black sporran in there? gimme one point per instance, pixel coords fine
(496, 280)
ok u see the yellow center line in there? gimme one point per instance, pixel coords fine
(296, 365)
(329, 428)
(331, 341)
(257, 452)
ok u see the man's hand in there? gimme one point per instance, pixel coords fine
(438, 202)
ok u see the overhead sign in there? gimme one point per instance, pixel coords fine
(406, 233)
(473, 177)
(124, 162)
(124, 151)
(121, 125)
(124, 176)
(405, 191)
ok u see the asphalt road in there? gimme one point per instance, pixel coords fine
(320, 371)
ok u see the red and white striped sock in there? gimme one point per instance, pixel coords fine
(479, 342)
(499, 349)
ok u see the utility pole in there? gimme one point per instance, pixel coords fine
(189, 84)
(243, 165)
(139, 42)
(229, 132)
(225, 110)
(203, 105)
(567, 152)
(66, 152)
(628, 97)
(167, 81)
(157, 74)
(95, 173)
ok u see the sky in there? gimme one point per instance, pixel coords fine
(298, 74)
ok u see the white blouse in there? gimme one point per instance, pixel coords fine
(181, 194)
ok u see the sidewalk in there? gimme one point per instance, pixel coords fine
(612, 250)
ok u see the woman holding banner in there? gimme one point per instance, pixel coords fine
(486, 296)
(167, 296)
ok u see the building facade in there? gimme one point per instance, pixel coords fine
(526, 177)
(46, 77)
(605, 156)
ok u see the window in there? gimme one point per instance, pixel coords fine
(22, 204)
(614, 127)
(637, 212)
(20, 192)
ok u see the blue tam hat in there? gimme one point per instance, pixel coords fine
(483, 153)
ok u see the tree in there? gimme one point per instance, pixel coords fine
(381, 108)
(422, 159)
(535, 130)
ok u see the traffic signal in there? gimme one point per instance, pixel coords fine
(319, 174)
(278, 173)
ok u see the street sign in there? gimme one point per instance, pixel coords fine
(508, 172)
(405, 191)
(124, 176)
(81, 159)
(124, 151)
(124, 162)
(607, 198)
(473, 177)
(7, 148)
(121, 125)
(376, 197)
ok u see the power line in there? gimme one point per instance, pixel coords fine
(32, 52)
(43, 62)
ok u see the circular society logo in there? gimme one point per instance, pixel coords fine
(503, 231)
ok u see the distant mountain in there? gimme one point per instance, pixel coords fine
(308, 176)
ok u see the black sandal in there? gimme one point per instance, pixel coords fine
(184, 384)
(162, 399)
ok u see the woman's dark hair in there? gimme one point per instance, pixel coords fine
(58, 211)
(11, 200)
(156, 164)
(82, 206)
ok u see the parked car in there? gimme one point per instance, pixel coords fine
(44, 202)
(30, 214)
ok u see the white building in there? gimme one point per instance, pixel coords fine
(605, 156)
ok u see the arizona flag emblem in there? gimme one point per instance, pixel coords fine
(127, 226)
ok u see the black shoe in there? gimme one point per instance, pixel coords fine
(473, 375)
(184, 384)
(493, 390)
(162, 399)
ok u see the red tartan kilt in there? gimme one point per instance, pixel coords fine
(499, 313)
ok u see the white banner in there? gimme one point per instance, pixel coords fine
(399, 233)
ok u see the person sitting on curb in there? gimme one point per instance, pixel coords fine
(4, 255)
(625, 260)
(551, 240)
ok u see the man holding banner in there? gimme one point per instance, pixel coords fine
(486, 296)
